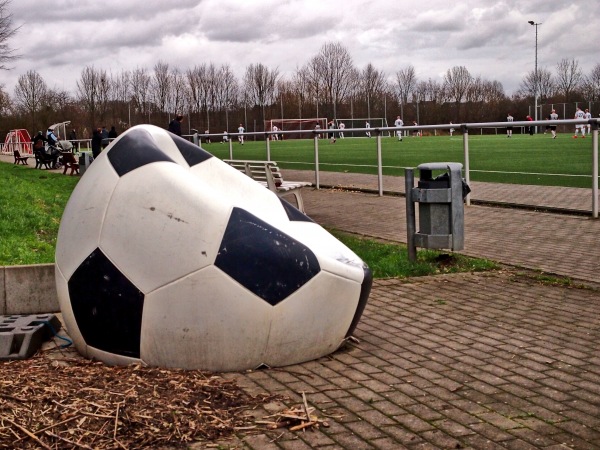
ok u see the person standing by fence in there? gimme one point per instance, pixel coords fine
(112, 134)
(73, 139)
(579, 114)
(331, 126)
(398, 123)
(175, 125)
(105, 139)
(342, 126)
(553, 116)
(96, 142)
(241, 134)
(529, 128)
(509, 128)
(588, 115)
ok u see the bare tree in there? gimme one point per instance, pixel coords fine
(179, 92)
(5, 102)
(201, 84)
(406, 80)
(260, 84)
(568, 77)
(104, 87)
(93, 92)
(161, 85)
(313, 84)
(208, 90)
(334, 71)
(545, 84)
(457, 82)
(89, 90)
(7, 31)
(226, 91)
(372, 85)
(591, 84)
(30, 92)
(300, 88)
(193, 76)
(140, 89)
(120, 97)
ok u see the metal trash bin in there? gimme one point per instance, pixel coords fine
(85, 159)
(441, 207)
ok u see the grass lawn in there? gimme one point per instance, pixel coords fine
(522, 159)
(33, 201)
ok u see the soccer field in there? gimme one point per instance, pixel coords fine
(522, 159)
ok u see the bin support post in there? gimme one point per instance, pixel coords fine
(379, 163)
(316, 141)
(409, 182)
(595, 169)
(457, 210)
(465, 132)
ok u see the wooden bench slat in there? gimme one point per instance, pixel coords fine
(268, 174)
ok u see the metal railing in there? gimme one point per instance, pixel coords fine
(378, 131)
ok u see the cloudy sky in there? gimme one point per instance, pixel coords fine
(491, 38)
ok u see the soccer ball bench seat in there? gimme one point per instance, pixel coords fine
(169, 257)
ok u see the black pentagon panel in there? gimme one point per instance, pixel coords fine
(266, 261)
(365, 290)
(191, 153)
(293, 213)
(107, 306)
(133, 150)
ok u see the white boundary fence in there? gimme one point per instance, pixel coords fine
(463, 128)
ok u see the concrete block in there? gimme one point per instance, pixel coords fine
(2, 292)
(30, 289)
(22, 335)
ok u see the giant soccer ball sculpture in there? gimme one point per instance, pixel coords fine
(167, 256)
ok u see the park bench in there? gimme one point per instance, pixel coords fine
(44, 159)
(20, 159)
(268, 174)
(70, 162)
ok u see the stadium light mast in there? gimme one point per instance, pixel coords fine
(536, 82)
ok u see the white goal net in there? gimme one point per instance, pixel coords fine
(374, 122)
(296, 124)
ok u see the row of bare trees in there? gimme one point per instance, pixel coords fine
(328, 85)
(568, 82)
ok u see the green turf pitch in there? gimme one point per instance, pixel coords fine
(522, 159)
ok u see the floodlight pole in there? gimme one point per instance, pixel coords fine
(536, 81)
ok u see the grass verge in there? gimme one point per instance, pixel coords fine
(391, 260)
(33, 201)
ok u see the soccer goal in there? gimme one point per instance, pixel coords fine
(374, 122)
(296, 124)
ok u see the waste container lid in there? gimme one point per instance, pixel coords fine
(440, 166)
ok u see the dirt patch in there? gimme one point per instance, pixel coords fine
(68, 402)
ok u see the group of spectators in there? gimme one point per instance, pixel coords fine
(101, 137)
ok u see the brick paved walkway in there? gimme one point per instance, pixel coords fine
(569, 199)
(482, 361)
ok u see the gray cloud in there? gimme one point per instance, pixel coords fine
(490, 38)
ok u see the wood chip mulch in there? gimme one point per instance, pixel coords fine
(70, 403)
